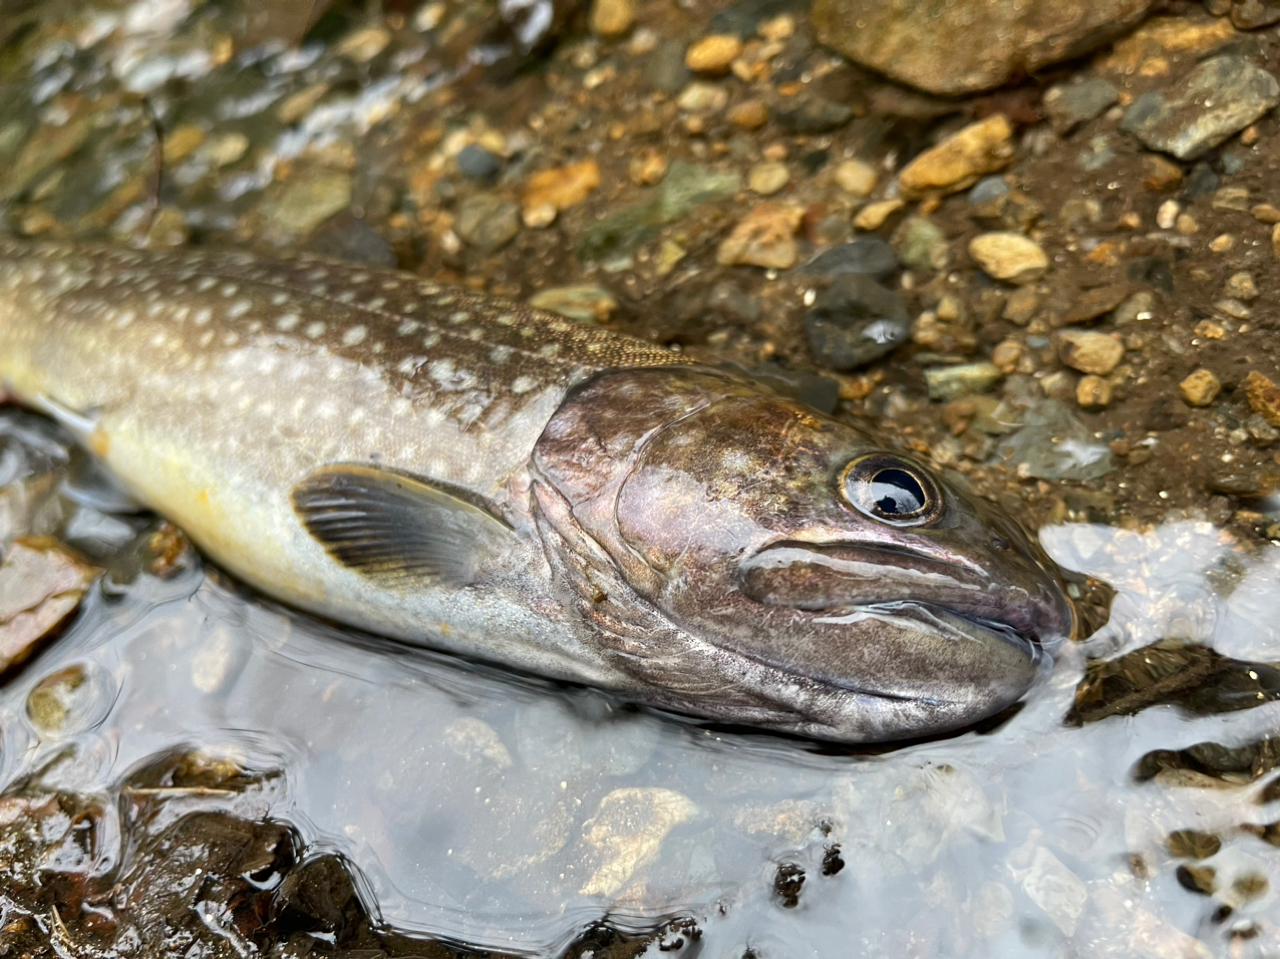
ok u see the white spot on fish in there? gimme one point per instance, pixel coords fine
(505, 319)
(319, 273)
(355, 335)
(230, 338)
(549, 349)
(441, 370)
(346, 296)
(239, 308)
(409, 365)
(500, 354)
(377, 303)
(315, 330)
(203, 316)
(288, 322)
(431, 339)
(205, 284)
(279, 298)
(523, 384)
(408, 326)
(205, 338)
(401, 406)
(461, 316)
(229, 290)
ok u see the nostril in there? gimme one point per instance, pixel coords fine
(1000, 544)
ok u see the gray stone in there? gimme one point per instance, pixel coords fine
(855, 321)
(813, 115)
(1252, 14)
(964, 46)
(1216, 100)
(477, 163)
(487, 221)
(988, 188)
(1070, 104)
(665, 70)
(949, 382)
(864, 256)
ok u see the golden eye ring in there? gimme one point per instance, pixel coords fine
(891, 490)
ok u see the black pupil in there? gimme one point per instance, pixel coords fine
(897, 493)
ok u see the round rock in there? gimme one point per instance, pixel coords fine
(1011, 257)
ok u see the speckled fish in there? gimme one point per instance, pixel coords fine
(466, 473)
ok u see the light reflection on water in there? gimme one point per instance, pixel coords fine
(511, 812)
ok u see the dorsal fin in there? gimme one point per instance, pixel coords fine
(398, 529)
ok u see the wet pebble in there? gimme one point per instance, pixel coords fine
(764, 237)
(1263, 396)
(856, 177)
(1070, 104)
(921, 244)
(864, 256)
(477, 163)
(855, 321)
(812, 115)
(951, 382)
(365, 44)
(305, 203)
(1160, 175)
(628, 830)
(958, 161)
(584, 302)
(1093, 392)
(749, 114)
(1007, 256)
(562, 187)
(713, 54)
(487, 221)
(612, 18)
(1216, 100)
(1241, 286)
(875, 215)
(41, 585)
(768, 178)
(1089, 351)
(699, 97)
(1200, 388)
(70, 700)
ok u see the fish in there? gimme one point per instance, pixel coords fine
(462, 472)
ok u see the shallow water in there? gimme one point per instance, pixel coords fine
(512, 813)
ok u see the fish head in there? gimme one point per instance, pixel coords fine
(859, 593)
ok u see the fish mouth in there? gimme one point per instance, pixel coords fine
(839, 580)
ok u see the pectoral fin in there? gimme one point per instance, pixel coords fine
(398, 529)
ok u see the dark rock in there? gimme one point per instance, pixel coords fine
(1071, 104)
(742, 19)
(787, 883)
(319, 896)
(1091, 304)
(1216, 100)
(855, 321)
(1152, 270)
(733, 302)
(477, 163)
(864, 256)
(963, 47)
(813, 115)
(988, 188)
(1167, 414)
(1201, 181)
(349, 237)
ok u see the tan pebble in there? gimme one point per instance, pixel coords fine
(1006, 355)
(1021, 305)
(1129, 221)
(612, 18)
(1093, 392)
(1211, 329)
(1089, 351)
(713, 54)
(1240, 286)
(1167, 214)
(1200, 388)
(1159, 174)
(764, 237)
(699, 97)
(768, 178)
(1250, 135)
(1186, 224)
(1058, 385)
(1263, 396)
(1275, 240)
(775, 151)
(1009, 256)
(958, 161)
(363, 45)
(647, 167)
(182, 142)
(293, 108)
(856, 177)
(750, 114)
(778, 28)
(562, 187)
(1222, 243)
(873, 215)
(1265, 212)
(538, 216)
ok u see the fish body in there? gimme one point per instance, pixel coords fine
(463, 472)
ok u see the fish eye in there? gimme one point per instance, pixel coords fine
(891, 490)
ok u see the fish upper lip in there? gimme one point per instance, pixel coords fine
(1027, 624)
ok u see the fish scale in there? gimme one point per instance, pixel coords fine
(460, 471)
